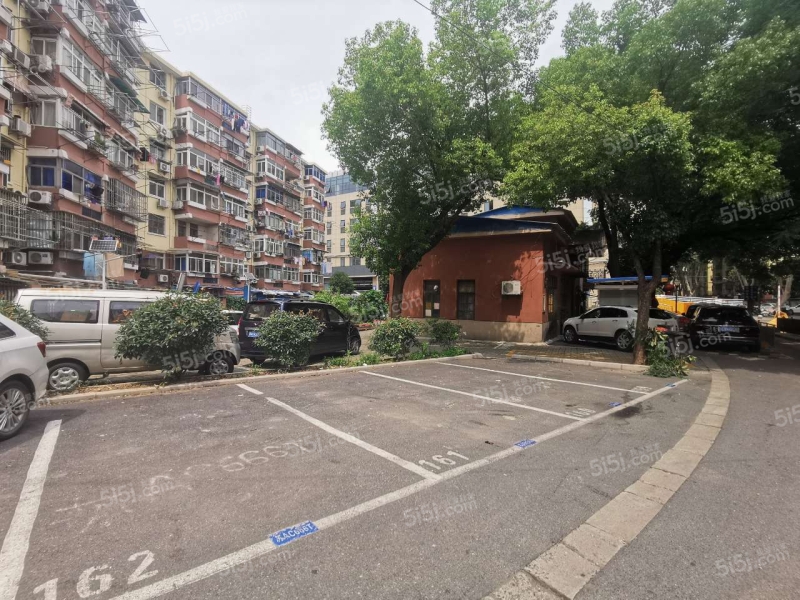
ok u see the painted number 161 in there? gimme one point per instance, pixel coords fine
(443, 460)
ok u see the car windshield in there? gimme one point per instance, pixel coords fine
(259, 311)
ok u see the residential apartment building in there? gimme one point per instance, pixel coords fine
(102, 138)
(344, 199)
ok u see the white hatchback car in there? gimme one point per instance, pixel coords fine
(612, 324)
(23, 375)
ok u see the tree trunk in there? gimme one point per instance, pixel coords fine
(398, 283)
(786, 290)
(646, 291)
(612, 243)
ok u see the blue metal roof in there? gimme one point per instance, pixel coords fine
(481, 224)
(509, 210)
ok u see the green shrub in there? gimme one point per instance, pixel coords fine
(175, 333)
(287, 337)
(369, 306)
(426, 352)
(661, 360)
(341, 283)
(24, 318)
(395, 337)
(368, 358)
(343, 303)
(444, 333)
(234, 303)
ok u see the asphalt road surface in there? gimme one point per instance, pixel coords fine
(428, 480)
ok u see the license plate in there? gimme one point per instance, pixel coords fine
(252, 334)
(728, 329)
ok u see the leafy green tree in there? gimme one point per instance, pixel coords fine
(287, 338)
(429, 133)
(24, 318)
(370, 306)
(343, 303)
(582, 29)
(175, 332)
(341, 283)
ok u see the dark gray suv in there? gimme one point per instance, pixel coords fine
(338, 336)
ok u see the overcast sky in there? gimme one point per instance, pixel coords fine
(280, 56)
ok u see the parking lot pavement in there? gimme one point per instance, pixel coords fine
(420, 480)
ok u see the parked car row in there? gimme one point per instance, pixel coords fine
(704, 324)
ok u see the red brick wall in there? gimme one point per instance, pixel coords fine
(489, 261)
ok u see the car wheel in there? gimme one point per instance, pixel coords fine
(354, 346)
(218, 365)
(65, 377)
(570, 335)
(624, 341)
(14, 408)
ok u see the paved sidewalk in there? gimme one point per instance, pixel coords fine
(556, 349)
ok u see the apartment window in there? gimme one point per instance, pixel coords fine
(157, 189)
(328, 245)
(328, 227)
(44, 47)
(42, 172)
(342, 226)
(466, 300)
(80, 181)
(342, 261)
(341, 244)
(355, 261)
(355, 205)
(158, 78)
(431, 292)
(235, 207)
(44, 113)
(343, 207)
(156, 224)
(158, 151)
(196, 263)
(330, 210)
(194, 230)
(157, 113)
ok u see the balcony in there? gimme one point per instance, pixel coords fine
(235, 237)
(126, 200)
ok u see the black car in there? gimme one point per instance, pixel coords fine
(338, 336)
(724, 325)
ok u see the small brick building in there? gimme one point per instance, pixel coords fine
(462, 279)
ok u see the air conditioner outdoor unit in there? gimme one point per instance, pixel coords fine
(164, 132)
(163, 203)
(248, 255)
(86, 129)
(39, 5)
(21, 126)
(261, 149)
(177, 205)
(164, 167)
(163, 278)
(17, 258)
(6, 47)
(37, 197)
(22, 59)
(40, 258)
(512, 288)
(164, 94)
(41, 63)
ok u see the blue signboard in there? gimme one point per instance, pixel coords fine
(290, 534)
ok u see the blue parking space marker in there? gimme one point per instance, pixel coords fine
(525, 443)
(615, 404)
(290, 534)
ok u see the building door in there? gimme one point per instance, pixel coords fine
(431, 292)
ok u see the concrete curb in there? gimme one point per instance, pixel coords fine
(564, 569)
(576, 361)
(154, 389)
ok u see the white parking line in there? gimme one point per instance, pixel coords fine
(486, 398)
(595, 385)
(421, 471)
(258, 549)
(18, 537)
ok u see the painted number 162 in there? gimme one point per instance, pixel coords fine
(443, 460)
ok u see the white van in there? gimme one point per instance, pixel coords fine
(83, 328)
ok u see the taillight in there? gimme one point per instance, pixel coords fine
(42, 348)
(683, 322)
